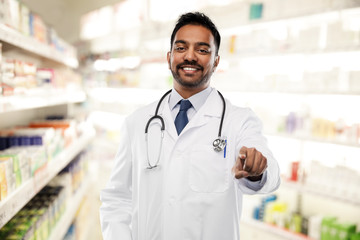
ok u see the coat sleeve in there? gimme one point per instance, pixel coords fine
(116, 197)
(250, 135)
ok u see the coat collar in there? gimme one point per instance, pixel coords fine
(211, 108)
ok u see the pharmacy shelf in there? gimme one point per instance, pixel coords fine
(13, 37)
(302, 188)
(316, 15)
(40, 98)
(282, 233)
(314, 139)
(285, 91)
(22, 195)
(274, 52)
(72, 205)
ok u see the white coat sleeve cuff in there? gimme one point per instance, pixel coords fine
(257, 185)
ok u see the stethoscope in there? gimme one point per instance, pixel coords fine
(218, 144)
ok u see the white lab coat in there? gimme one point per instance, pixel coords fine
(193, 193)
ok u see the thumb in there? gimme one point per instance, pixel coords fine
(238, 170)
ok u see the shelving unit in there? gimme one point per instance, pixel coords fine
(301, 188)
(314, 139)
(33, 46)
(42, 98)
(278, 231)
(73, 204)
(18, 199)
(308, 15)
(282, 73)
(38, 102)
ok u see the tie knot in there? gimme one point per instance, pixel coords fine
(185, 105)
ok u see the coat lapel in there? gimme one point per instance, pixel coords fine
(164, 111)
(211, 108)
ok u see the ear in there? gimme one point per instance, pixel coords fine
(216, 62)
(168, 56)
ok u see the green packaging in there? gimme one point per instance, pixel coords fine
(345, 231)
(355, 236)
(295, 223)
(327, 227)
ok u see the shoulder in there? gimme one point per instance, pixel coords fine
(141, 114)
(241, 116)
(238, 111)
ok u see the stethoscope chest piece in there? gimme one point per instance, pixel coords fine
(219, 144)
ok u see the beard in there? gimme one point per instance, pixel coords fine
(202, 80)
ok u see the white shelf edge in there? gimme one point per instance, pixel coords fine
(50, 98)
(295, 92)
(302, 188)
(313, 139)
(274, 20)
(22, 195)
(30, 44)
(281, 232)
(278, 52)
(72, 205)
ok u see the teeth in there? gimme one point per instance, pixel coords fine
(189, 69)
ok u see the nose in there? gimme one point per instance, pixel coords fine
(190, 55)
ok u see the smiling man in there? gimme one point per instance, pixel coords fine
(193, 58)
(188, 185)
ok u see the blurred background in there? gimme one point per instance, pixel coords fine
(72, 70)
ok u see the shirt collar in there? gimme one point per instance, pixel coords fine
(197, 100)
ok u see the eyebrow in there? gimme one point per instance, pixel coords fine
(199, 43)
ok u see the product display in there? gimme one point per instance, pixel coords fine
(20, 77)
(37, 219)
(274, 212)
(26, 151)
(303, 125)
(17, 16)
(40, 216)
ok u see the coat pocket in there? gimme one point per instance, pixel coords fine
(208, 171)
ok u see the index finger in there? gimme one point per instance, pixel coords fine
(243, 153)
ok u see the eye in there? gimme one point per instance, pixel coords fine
(179, 49)
(204, 51)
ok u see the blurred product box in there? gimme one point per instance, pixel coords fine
(354, 83)
(276, 213)
(314, 226)
(327, 228)
(355, 236)
(11, 16)
(24, 25)
(67, 127)
(256, 11)
(37, 219)
(345, 231)
(295, 224)
(45, 76)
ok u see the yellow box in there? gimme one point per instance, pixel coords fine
(3, 189)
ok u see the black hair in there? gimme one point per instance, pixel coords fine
(197, 18)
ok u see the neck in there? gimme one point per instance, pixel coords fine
(186, 92)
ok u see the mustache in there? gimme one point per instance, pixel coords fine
(188, 63)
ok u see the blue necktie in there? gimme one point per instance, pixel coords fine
(181, 119)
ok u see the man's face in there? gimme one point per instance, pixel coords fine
(192, 59)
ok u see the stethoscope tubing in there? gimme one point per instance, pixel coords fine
(157, 116)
